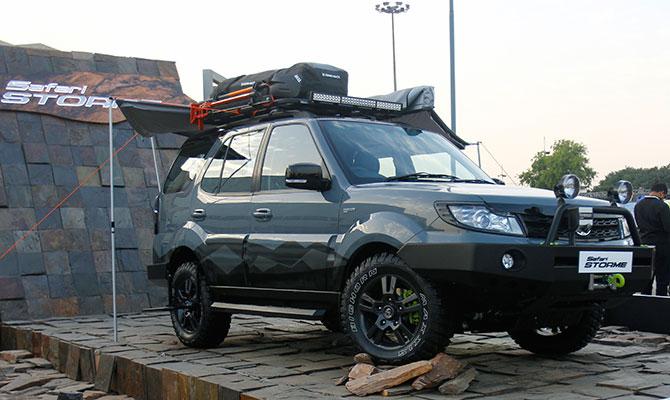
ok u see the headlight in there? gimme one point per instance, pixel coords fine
(568, 187)
(621, 193)
(479, 217)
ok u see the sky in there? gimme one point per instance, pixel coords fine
(527, 71)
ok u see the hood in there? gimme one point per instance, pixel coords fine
(501, 197)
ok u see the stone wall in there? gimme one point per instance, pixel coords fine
(64, 267)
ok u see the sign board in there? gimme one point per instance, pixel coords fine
(84, 96)
(605, 262)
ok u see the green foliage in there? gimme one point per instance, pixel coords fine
(639, 177)
(566, 157)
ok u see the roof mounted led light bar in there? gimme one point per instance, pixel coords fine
(356, 102)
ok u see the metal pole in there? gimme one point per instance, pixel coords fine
(479, 156)
(111, 217)
(453, 66)
(158, 178)
(395, 85)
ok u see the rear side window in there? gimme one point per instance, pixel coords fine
(232, 168)
(187, 164)
(212, 177)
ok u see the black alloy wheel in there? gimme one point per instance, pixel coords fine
(188, 307)
(392, 313)
(194, 321)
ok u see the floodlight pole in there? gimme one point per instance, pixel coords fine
(393, 7)
(111, 217)
(453, 67)
(395, 83)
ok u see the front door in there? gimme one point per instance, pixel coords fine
(292, 230)
(222, 208)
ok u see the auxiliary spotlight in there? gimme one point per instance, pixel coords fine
(568, 187)
(621, 193)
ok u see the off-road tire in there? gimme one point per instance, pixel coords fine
(332, 320)
(432, 330)
(212, 327)
(573, 338)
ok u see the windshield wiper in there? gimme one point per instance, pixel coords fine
(473, 181)
(417, 175)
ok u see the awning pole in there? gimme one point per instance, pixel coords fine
(158, 178)
(111, 217)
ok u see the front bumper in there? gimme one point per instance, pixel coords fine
(544, 276)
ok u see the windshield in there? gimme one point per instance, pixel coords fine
(373, 152)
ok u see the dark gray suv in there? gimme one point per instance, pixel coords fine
(386, 232)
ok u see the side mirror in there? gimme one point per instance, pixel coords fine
(499, 181)
(306, 176)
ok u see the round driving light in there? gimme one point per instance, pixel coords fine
(568, 187)
(507, 261)
(624, 192)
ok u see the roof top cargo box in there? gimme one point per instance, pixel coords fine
(297, 81)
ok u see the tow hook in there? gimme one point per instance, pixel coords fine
(612, 281)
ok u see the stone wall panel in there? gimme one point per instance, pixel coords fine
(63, 268)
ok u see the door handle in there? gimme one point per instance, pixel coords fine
(199, 213)
(262, 214)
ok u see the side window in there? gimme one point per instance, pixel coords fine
(238, 167)
(289, 144)
(190, 159)
(212, 177)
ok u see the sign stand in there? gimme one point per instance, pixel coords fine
(111, 217)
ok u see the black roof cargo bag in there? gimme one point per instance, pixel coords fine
(297, 81)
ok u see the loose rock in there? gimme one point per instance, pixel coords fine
(388, 379)
(364, 358)
(444, 367)
(459, 384)
(362, 370)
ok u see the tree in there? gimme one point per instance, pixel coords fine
(566, 157)
(638, 177)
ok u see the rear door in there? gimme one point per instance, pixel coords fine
(222, 207)
(292, 229)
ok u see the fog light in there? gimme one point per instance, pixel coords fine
(507, 261)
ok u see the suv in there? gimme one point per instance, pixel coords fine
(385, 232)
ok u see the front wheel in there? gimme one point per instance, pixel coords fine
(194, 321)
(560, 339)
(392, 313)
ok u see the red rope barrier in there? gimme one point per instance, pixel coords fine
(60, 203)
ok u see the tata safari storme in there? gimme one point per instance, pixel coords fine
(382, 230)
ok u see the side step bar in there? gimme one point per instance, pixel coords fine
(269, 311)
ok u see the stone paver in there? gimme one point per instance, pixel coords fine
(278, 358)
(40, 382)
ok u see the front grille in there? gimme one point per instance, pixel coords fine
(602, 228)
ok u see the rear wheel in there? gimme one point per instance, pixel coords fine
(392, 313)
(561, 338)
(194, 321)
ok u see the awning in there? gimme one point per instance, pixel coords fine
(150, 118)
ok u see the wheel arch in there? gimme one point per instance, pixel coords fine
(361, 253)
(180, 255)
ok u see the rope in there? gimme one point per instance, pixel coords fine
(66, 198)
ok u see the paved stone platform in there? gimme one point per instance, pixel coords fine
(286, 359)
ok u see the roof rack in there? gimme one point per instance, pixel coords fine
(251, 102)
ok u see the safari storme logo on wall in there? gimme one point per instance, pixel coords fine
(84, 96)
